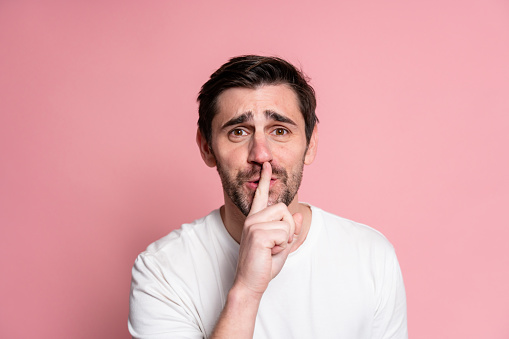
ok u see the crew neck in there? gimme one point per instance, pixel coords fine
(314, 229)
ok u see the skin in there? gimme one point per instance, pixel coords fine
(255, 131)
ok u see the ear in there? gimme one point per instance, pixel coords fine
(206, 152)
(312, 147)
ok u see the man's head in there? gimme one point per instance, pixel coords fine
(252, 71)
(251, 112)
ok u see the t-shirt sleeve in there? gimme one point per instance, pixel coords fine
(155, 308)
(391, 313)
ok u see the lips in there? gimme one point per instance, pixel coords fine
(253, 184)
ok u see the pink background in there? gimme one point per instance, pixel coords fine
(98, 159)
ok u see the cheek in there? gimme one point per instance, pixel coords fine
(289, 156)
(231, 157)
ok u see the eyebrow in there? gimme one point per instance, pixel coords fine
(278, 117)
(248, 116)
(238, 120)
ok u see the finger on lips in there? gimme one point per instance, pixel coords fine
(261, 197)
(261, 213)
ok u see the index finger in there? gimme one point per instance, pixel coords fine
(261, 197)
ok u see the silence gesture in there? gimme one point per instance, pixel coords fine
(267, 238)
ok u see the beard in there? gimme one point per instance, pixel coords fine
(284, 191)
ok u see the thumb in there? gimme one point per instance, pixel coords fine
(298, 219)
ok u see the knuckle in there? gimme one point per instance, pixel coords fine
(282, 236)
(282, 228)
(247, 222)
(250, 220)
(286, 225)
(281, 206)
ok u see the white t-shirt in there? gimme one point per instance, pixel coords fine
(344, 281)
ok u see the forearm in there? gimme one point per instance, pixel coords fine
(237, 320)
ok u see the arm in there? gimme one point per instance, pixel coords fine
(157, 309)
(390, 320)
(239, 314)
(267, 239)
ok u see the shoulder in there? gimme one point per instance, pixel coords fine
(362, 256)
(168, 276)
(350, 232)
(186, 233)
(364, 248)
(186, 244)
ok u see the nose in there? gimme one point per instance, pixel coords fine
(259, 150)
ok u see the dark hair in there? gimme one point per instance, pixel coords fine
(251, 71)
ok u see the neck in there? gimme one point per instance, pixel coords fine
(233, 219)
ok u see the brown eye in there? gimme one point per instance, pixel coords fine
(238, 132)
(280, 131)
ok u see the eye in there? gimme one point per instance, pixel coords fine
(237, 132)
(280, 131)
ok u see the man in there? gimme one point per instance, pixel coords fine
(265, 265)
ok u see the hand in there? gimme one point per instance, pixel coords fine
(267, 238)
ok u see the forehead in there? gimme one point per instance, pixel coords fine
(278, 98)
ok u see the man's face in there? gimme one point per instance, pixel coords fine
(254, 126)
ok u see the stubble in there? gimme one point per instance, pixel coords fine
(235, 188)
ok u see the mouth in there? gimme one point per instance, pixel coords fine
(253, 184)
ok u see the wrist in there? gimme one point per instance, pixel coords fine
(239, 314)
(242, 295)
